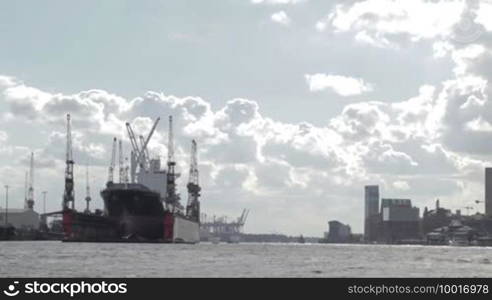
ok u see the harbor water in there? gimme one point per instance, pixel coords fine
(53, 258)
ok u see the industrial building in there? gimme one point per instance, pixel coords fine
(488, 192)
(338, 233)
(400, 220)
(371, 216)
(24, 218)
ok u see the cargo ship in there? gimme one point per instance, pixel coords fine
(142, 208)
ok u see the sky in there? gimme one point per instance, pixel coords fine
(295, 104)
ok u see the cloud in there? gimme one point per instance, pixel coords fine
(6, 81)
(281, 17)
(386, 23)
(342, 85)
(3, 136)
(401, 185)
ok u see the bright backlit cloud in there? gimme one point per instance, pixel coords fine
(342, 85)
(281, 17)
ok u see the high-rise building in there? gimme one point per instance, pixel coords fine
(372, 216)
(488, 191)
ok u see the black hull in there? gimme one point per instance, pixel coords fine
(7, 233)
(133, 213)
(135, 210)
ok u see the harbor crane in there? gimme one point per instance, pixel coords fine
(172, 197)
(30, 192)
(138, 153)
(193, 206)
(87, 190)
(68, 195)
(121, 167)
(146, 155)
(221, 227)
(26, 187)
(242, 219)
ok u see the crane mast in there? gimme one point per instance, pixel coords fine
(111, 165)
(121, 167)
(25, 189)
(193, 205)
(171, 197)
(87, 190)
(68, 195)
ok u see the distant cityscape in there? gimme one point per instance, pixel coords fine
(396, 221)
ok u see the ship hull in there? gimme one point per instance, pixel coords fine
(133, 213)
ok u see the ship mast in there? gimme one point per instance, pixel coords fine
(171, 196)
(68, 195)
(193, 206)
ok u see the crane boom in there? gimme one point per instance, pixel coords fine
(138, 153)
(133, 140)
(146, 156)
(144, 147)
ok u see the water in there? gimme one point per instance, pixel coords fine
(52, 258)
